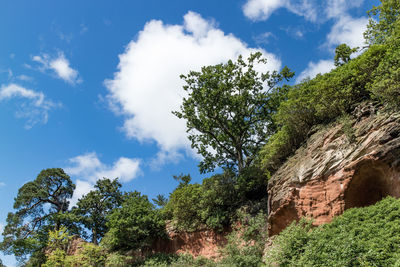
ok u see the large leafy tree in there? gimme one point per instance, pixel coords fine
(40, 205)
(93, 208)
(228, 111)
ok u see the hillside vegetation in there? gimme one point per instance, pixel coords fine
(244, 124)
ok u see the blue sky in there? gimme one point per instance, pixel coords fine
(89, 85)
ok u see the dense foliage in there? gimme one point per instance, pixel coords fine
(360, 237)
(40, 205)
(134, 225)
(92, 209)
(228, 111)
(213, 204)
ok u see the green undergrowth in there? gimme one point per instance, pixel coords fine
(367, 236)
(372, 76)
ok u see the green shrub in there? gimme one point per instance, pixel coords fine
(246, 242)
(117, 260)
(386, 85)
(321, 101)
(360, 237)
(134, 225)
(184, 207)
(174, 260)
(90, 255)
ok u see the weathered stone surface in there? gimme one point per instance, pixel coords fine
(205, 243)
(330, 174)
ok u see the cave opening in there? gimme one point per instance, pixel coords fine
(368, 186)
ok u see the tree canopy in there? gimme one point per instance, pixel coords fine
(93, 208)
(39, 206)
(228, 111)
(383, 20)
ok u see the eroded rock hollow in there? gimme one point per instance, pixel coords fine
(337, 170)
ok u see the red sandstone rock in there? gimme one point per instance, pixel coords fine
(205, 243)
(329, 174)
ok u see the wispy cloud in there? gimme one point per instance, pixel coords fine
(33, 105)
(320, 67)
(88, 169)
(60, 66)
(262, 9)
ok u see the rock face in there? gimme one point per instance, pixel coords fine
(330, 173)
(205, 243)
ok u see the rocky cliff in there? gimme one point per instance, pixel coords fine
(205, 243)
(339, 167)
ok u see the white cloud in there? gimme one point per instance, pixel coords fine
(60, 66)
(264, 37)
(322, 66)
(34, 105)
(311, 10)
(2, 184)
(82, 188)
(89, 169)
(262, 9)
(24, 78)
(337, 8)
(147, 87)
(347, 30)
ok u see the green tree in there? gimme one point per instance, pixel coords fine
(183, 179)
(228, 110)
(343, 53)
(134, 225)
(39, 206)
(160, 200)
(93, 208)
(383, 20)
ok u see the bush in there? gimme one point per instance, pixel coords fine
(386, 85)
(118, 260)
(184, 207)
(360, 237)
(134, 225)
(246, 243)
(90, 255)
(213, 204)
(173, 260)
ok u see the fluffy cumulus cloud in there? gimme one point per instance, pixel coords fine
(88, 168)
(321, 67)
(60, 66)
(147, 87)
(32, 105)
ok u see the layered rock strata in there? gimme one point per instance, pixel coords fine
(338, 168)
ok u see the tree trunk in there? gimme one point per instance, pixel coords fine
(94, 236)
